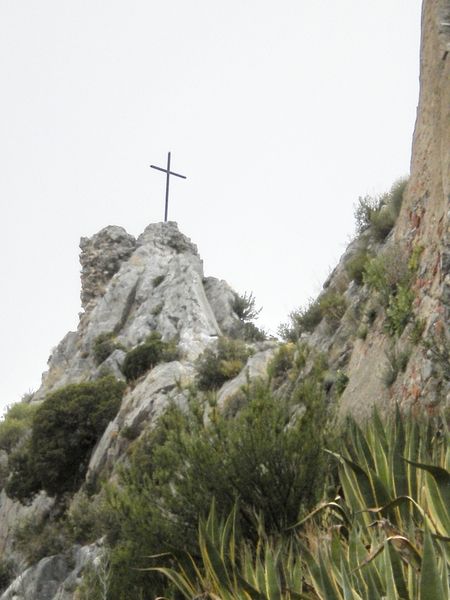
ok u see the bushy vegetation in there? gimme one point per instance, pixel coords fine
(147, 355)
(218, 364)
(378, 214)
(15, 424)
(391, 275)
(269, 462)
(385, 536)
(244, 307)
(330, 306)
(356, 266)
(64, 430)
(104, 345)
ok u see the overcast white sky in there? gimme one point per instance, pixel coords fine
(280, 114)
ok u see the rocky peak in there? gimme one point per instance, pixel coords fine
(100, 258)
(131, 288)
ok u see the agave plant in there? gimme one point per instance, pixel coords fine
(391, 534)
(387, 536)
(231, 571)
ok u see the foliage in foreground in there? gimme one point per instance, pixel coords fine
(273, 466)
(65, 429)
(147, 355)
(387, 536)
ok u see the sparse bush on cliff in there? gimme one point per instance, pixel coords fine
(104, 345)
(65, 429)
(147, 355)
(217, 365)
(356, 265)
(330, 306)
(379, 214)
(15, 424)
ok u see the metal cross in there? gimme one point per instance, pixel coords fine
(168, 174)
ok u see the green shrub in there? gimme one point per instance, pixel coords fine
(158, 280)
(384, 535)
(270, 463)
(15, 424)
(244, 307)
(341, 382)
(385, 272)
(36, 539)
(217, 365)
(365, 208)
(65, 429)
(302, 320)
(379, 214)
(397, 363)
(147, 355)
(382, 223)
(355, 266)
(103, 346)
(283, 361)
(399, 310)
(417, 330)
(414, 259)
(86, 518)
(332, 307)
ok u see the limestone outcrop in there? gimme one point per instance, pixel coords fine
(133, 287)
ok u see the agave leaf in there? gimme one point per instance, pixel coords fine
(399, 501)
(347, 588)
(362, 479)
(391, 589)
(325, 505)
(401, 543)
(214, 564)
(271, 579)
(329, 587)
(430, 581)
(397, 569)
(441, 476)
(183, 585)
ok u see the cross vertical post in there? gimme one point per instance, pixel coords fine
(166, 211)
(168, 173)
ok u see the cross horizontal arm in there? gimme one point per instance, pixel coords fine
(170, 172)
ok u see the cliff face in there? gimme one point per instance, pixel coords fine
(424, 222)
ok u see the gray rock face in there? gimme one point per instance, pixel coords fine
(139, 409)
(221, 298)
(54, 577)
(101, 257)
(133, 288)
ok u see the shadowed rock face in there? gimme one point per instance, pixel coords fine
(133, 287)
(100, 258)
